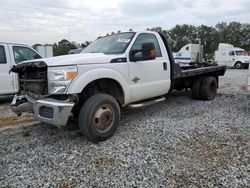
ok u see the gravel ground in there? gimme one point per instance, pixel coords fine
(179, 143)
(8, 118)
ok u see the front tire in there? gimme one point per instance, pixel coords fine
(238, 65)
(99, 117)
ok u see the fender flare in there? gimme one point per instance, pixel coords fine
(83, 79)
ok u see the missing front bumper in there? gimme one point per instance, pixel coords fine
(48, 110)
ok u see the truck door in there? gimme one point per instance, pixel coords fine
(149, 78)
(231, 58)
(6, 79)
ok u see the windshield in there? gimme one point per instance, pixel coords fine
(240, 52)
(113, 44)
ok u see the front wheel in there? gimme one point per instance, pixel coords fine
(238, 65)
(99, 117)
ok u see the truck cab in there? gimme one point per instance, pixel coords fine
(12, 54)
(239, 58)
(231, 56)
(189, 54)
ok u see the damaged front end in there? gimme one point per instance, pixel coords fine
(32, 77)
(33, 95)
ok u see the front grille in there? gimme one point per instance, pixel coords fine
(46, 112)
(33, 77)
(35, 74)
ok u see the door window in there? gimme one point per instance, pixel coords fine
(231, 53)
(145, 38)
(23, 54)
(2, 55)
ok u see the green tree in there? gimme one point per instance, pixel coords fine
(245, 36)
(63, 47)
(222, 31)
(159, 29)
(235, 33)
(85, 44)
(182, 35)
(209, 37)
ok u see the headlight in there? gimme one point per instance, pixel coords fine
(59, 78)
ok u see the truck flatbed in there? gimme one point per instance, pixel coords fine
(184, 78)
(214, 70)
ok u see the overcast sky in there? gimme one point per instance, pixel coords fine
(48, 21)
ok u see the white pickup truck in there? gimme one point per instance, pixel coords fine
(130, 69)
(11, 54)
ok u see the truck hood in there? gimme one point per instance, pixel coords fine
(247, 58)
(79, 59)
(243, 58)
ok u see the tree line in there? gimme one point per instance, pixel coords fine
(64, 46)
(235, 33)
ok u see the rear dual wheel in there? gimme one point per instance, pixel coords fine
(204, 88)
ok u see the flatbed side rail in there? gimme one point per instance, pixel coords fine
(212, 70)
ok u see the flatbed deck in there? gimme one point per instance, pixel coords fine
(185, 78)
(211, 70)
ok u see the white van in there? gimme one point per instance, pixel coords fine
(231, 56)
(11, 54)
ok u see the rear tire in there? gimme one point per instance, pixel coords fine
(238, 65)
(99, 117)
(208, 88)
(196, 88)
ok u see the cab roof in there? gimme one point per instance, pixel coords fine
(13, 43)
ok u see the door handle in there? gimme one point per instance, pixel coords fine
(165, 67)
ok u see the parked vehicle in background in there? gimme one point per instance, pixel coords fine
(45, 50)
(130, 69)
(231, 56)
(12, 54)
(189, 54)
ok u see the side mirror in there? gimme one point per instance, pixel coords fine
(147, 52)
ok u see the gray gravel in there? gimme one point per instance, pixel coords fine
(234, 82)
(179, 143)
